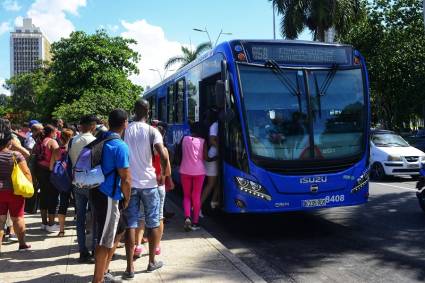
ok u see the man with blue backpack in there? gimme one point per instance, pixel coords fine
(113, 194)
(82, 199)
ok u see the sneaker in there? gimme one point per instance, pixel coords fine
(158, 251)
(86, 258)
(53, 228)
(214, 204)
(109, 278)
(24, 247)
(138, 250)
(152, 266)
(201, 215)
(195, 227)
(43, 227)
(187, 225)
(13, 238)
(128, 275)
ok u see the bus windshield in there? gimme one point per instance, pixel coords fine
(278, 120)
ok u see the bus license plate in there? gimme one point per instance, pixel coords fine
(314, 202)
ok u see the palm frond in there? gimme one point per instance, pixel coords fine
(173, 61)
(202, 47)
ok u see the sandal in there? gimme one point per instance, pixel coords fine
(61, 234)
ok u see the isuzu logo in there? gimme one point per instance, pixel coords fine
(313, 180)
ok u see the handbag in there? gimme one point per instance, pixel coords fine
(21, 185)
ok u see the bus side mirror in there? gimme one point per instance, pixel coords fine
(220, 94)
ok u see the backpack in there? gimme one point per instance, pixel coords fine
(39, 149)
(60, 177)
(87, 171)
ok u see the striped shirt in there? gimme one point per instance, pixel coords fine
(6, 168)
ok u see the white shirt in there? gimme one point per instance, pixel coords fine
(140, 137)
(78, 142)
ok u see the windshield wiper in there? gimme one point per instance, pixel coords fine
(321, 91)
(284, 80)
(328, 80)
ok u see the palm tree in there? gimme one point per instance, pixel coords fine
(317, 15)
(188, 55)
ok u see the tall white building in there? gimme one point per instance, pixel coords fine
(28, 47)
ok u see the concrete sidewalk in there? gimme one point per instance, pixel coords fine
(188, 257)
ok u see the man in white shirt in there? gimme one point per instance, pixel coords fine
(88, 126)
(141, 138)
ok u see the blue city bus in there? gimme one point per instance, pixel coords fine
(293, 127)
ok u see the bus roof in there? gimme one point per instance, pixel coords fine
(231, 44)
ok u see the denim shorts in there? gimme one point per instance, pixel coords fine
(144, 205)
(161, 190)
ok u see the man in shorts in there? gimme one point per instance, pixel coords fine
(106, 198)
(141, 139)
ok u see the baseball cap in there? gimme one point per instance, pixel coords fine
(33, 122)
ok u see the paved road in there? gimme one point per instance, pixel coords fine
(382, 241)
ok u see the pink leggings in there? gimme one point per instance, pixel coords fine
(192, 189)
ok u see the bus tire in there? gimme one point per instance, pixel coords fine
(421, 199)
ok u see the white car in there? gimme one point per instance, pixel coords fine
(391, 155)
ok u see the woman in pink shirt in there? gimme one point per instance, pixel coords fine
(192, 175)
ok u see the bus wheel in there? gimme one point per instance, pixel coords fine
(378, 172)
(421, 199)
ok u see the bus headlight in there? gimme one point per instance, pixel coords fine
(361, 182)
(252, 188)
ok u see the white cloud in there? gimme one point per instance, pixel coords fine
(155, 49)
(50, 16)
(2, 89)
(4, 27)
(11, 5)
(113, 28)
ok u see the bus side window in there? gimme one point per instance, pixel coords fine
(162, 109)
(170, 104)
(152, 104)
(179, 103)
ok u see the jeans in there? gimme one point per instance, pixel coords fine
(81, 203)
(144, 205)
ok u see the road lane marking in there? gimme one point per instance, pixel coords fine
(394, 186)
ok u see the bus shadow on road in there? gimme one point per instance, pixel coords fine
(383, 239)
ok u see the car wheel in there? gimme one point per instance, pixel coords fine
(378, 172)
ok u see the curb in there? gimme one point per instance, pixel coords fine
(250, 274)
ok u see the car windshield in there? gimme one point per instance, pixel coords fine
(388, 140)
(277, 108)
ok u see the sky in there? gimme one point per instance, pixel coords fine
(160, 27)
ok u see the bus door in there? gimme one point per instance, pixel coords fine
(207, 97)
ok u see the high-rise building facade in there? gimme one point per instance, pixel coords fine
(28, 48)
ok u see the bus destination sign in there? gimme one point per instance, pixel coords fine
(300, 54)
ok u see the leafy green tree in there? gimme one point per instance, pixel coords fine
(89, 74)
(4, 105)
(188, 55)
(27, 92)
(318, 16)
(392, 39)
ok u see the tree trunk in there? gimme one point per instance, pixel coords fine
(320, 34)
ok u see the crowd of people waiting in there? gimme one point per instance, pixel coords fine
(137, 173)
